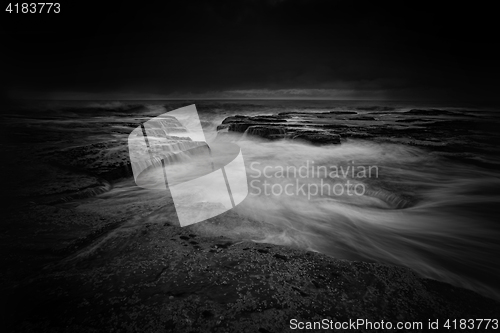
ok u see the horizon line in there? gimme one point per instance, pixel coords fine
(250, 99)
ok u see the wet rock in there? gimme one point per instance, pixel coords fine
(267, 132)
(241, 124)
(233, 119)
(319, 138)
(280, 256)
(268, 119)
(158, 284)
(239, 127)
(375, 108)
(273, 127)
(430, 112)
(363, 118)
(341, 112)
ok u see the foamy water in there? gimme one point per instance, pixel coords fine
(420, 211)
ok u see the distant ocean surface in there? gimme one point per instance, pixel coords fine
(432, 207)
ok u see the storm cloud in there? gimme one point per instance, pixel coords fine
(236, 49)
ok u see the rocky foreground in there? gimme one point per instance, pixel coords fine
(87, 266)
(162, 278)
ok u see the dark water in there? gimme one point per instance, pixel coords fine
(431, 202)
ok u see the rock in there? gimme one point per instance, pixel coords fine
(233, 119)
(375, 108)
(242, 123)
(163, 285)
(363, 118)
(342, 112)
(430, 112)
(319, 138)
(267, 119)
(267, 132)
(292, 113)
(239, 127)
(277, 127)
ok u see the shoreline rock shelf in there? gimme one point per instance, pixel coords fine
(277, 127)
(177, 280)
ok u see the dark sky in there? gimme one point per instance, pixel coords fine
(252, 48)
